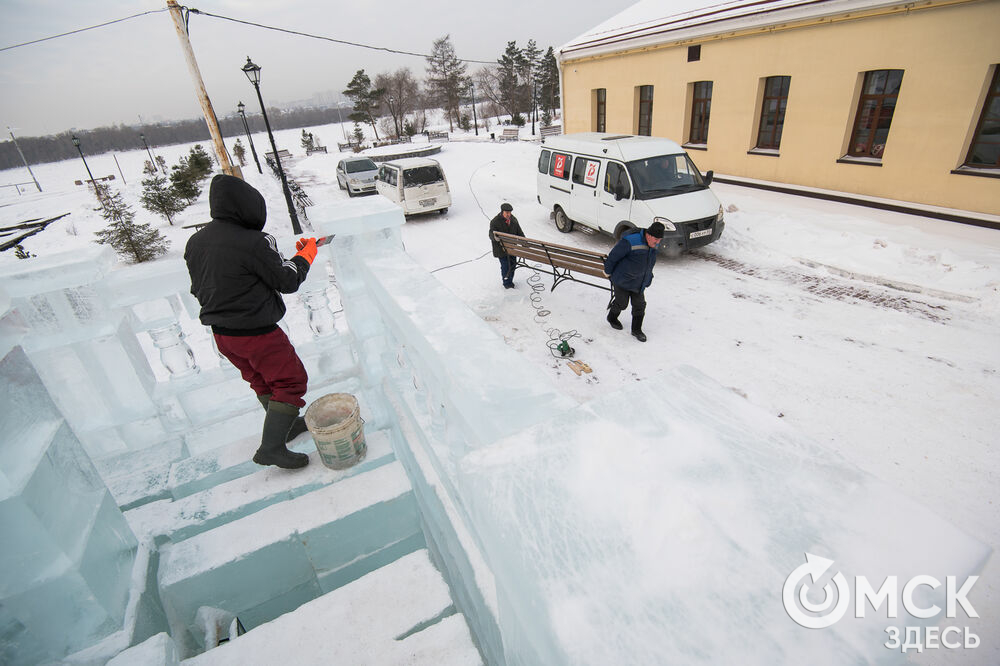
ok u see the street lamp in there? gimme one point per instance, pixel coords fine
(76, 142)
(246, 127)
(475, 121)
(148, 151)
(253, 74)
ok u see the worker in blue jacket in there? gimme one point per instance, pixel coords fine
(630, 267)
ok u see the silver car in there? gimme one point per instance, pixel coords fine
(356, 175)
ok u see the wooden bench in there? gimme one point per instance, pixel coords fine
(551, 130)
(510, 134)
(349, 146)
(283, 155)
(315, 149)
(566, 262)
(437, 136)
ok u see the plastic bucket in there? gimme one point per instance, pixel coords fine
(337, 428)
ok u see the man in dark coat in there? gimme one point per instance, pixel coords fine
(505, 222)
(238, 276)
(630, 267)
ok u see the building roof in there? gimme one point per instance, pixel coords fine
(653, 22)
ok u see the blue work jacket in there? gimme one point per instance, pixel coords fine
(630, 263)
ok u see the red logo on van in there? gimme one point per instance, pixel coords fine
(559, 166)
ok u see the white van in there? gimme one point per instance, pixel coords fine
(415, 184)
(616, 183)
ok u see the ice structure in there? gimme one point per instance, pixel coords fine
(67, 554)
(658, 524)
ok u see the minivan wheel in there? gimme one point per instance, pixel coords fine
(622, 230)
(563, 223)
(443, 211)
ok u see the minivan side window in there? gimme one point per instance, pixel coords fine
(560, 166)
(585, 171)
(616, 176)
(543, 162)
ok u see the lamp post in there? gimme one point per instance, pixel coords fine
(240, 107)
(76, 142)
(142, 137)
(253, 74)
(472, 91)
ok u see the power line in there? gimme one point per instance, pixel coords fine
(191, 10)
(329, 39)
(91, 27)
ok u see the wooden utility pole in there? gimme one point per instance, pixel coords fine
(206, 104)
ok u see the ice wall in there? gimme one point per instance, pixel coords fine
(657, 525)
(112, 348)
(67, 555)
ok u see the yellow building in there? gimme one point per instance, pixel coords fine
(868, 99)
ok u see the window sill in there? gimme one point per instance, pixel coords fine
(866, 161)
(767, 152)
(695, 146)
(982, 172)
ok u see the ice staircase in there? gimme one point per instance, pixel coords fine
(331, 561)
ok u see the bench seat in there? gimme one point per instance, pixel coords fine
(566, 262)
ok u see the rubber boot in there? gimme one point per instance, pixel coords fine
(298, 426)
(637, 328)
(277, 424)
(613, 320)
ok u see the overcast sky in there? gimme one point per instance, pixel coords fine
(135, 68)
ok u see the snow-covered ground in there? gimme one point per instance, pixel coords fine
(874, 333)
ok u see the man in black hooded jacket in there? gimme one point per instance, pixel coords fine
(238, 276)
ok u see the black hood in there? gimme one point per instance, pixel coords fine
(231, 199)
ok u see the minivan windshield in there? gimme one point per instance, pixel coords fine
(354, 166)
(664, 176)
(424, 175)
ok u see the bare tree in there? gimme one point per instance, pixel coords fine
(401, 95)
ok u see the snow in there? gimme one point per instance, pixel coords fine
(870, 332)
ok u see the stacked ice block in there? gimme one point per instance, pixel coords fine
(67, 554)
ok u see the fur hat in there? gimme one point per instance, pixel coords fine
(655, 230)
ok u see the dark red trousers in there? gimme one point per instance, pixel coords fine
(269, 363)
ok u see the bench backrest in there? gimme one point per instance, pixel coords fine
(551, 130)
(553, 254)
(511, 131)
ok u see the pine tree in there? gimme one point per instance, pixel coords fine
(549, 83)
(148, 167)
(133, 242)
(161, 162)
(446, 78)
(511, 87)
(240, 152)
(358, 136)
(530, 70)
(307, 141)
(366, 100)
(160, 198)
(183, 182)
(199, 163)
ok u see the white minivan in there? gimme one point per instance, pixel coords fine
(616, 183)
(415, 184)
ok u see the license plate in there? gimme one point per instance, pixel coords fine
(699, 234)
(427, 202)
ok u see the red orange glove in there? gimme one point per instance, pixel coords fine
(306, 249)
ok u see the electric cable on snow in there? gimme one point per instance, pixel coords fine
(558, 342)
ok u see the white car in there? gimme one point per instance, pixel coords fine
(356, 175)
(415, 184)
